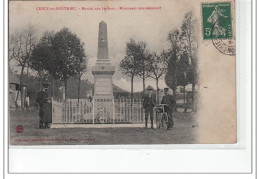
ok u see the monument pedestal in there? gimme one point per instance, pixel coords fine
(103, 93)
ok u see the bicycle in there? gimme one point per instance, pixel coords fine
(163, 119)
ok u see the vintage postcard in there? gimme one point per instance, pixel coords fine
(122, 72)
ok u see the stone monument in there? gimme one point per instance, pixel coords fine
(103, 84)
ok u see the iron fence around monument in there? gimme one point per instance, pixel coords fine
(129, 111)
(83, 111)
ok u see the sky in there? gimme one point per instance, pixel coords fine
(151, 26)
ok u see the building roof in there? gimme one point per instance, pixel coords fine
(116, 89)
(149, 87)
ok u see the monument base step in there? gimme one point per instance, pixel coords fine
(140, 125)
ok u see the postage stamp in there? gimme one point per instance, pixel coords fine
(217, 21)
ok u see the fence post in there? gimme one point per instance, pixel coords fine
(77, 111)
(93, 111)
(131, 109)
(64, 111)
(127, 113)
(120, 110)
(52, 109)
(67, 111)
(141, 111)
(81, 112)
(113, 111)
(70, 111)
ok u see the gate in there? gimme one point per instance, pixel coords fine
(57, 112)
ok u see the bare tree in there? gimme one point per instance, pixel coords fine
(144, 59)
(129, 64)
(184, 75)
(171, 57)
(158, 69)
(190, 45)
(21, 45)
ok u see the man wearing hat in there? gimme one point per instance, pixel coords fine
(169, 100)
(148, 103)
(42, 99)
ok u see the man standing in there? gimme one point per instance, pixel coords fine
(171, 103)
(148, 104)
(42, 100)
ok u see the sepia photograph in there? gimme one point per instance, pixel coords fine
(122, 73)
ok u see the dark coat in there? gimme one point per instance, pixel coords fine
(42, 97)
(169, 100)
(47, 114)
(45, 108)
(149, 102)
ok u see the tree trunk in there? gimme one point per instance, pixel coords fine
(40, 80)
(132, 93)
(184, 96)
(193, 96)
(53, 87)
(174, 80)
(143, 84)
(20, 87)
(65, 84)
(143, 88)
(79, 89)
(175, 83)
(193, 66)
(28, 70)
(193, 81)
(132, 87)
(157, 91)
(40, 83)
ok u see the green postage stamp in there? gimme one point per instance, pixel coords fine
(217, 21)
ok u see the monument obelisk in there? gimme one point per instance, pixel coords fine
(103, 72)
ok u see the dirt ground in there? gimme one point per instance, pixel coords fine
(184, 132)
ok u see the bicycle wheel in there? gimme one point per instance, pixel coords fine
(165, 121)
